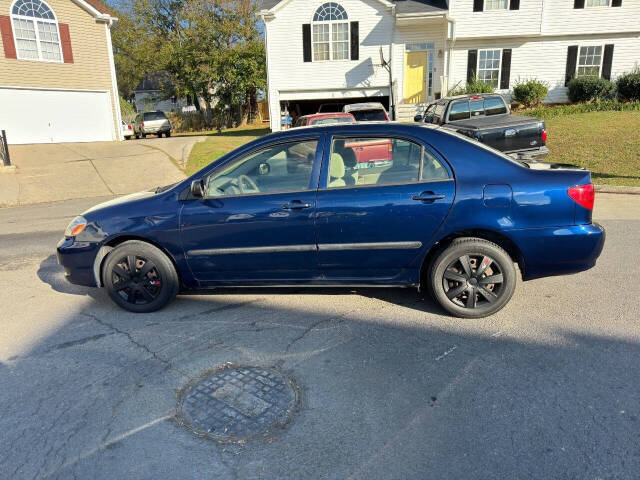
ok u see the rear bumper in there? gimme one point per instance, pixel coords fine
(77, 259)
(150, 129)
(559, 250)
(535, 154)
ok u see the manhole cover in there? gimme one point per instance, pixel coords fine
(237, 403)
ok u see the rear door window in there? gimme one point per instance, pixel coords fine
(366, 161)
(459, 111)
(439, 113)
(494, 106)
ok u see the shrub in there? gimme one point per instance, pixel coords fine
(628, 86)
(127, 111)
(587, 89)
(530, 92)
(547, 111)
(476, 86)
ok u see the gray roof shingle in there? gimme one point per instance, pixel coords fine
(402, 6)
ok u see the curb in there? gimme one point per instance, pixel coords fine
(617, 189)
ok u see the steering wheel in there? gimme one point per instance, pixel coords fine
(244, 181)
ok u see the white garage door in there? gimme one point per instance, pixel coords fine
(54, 116)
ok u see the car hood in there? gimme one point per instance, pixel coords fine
(121, 200)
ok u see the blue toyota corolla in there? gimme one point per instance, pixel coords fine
(376, 204)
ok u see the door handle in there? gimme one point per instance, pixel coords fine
(428, 197)
(295, 205)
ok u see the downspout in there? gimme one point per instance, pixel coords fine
(114, 81)
(392, 103)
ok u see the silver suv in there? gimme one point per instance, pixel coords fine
(155, 123)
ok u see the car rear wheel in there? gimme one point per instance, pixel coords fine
(139, 277)
(167, 134)
(472, 278)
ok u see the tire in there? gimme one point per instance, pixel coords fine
(167, 134)
(136, 135)
(143, 135)
(159, 134)
(465, 292)
(146, 291)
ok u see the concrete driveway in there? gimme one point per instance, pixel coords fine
(53, 172)
(391, 387)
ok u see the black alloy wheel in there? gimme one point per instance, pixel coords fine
(140, 277)
(472, 278)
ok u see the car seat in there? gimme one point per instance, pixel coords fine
(350, 162)
(336, 171)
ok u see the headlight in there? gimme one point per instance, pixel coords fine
(75, 227)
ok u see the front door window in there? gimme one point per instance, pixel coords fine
(279, 168)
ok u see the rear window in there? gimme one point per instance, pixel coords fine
(154, 116)
(327, 121)
(459, 111)
(494, 106)
(369, 115)
(476, 107)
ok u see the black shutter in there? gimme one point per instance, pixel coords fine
(606, 61)
(355, 41)
(506, 69)
(578, 4)
(572, 59)
(478, 5)
(514, 5)
(306, 41)
(616, 3)
(472, 62)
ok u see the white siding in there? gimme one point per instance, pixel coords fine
(560, 18)
(288, 72)
(546, 58)
(498, 23)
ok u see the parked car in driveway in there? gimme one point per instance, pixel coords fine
(127, 131)
(155, 123)
(487, 118)
(367, 112)
(443, 213)
(323, 119)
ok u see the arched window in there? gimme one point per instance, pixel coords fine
(330, 33)
(35, 29)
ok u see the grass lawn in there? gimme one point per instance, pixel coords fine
(607, 143)
(218, 144)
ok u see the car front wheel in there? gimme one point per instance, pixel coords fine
(139, 277)
(472, 278)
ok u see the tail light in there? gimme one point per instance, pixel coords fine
(583, 195)
(129, 127)
(142, 124)
(544, 135)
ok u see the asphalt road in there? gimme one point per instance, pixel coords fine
(391, 388)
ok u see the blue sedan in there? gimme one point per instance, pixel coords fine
(362, 204)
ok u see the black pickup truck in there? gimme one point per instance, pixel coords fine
(487, 118)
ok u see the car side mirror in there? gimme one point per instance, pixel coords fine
(264, 169)
(197, 189)
(417, 118)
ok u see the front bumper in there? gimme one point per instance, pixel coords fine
(77, 260)
(559, 250)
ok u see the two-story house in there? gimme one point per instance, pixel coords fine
(321, 52)
(57, 76)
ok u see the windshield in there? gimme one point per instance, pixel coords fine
(154, 116)
(369, 115)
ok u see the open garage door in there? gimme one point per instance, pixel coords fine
(55, 116)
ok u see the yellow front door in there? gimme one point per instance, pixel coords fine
(415, 71)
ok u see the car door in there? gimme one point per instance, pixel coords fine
(378, 228)
(255, 222)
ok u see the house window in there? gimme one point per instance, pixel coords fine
(489, 67)
(496, 4)
(597, 3)
(589, 61)
(330, 33)
(36, 31)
